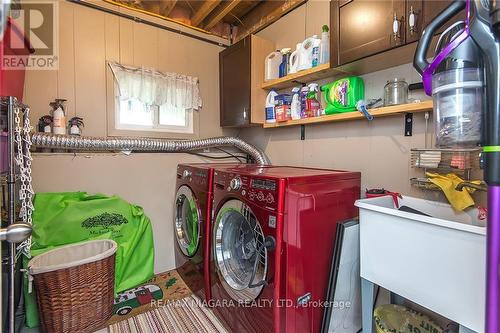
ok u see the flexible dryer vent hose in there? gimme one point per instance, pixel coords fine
(89, 143)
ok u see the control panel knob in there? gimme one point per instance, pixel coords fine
(235, 184)
(186, 174)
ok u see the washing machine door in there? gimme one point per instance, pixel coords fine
(239, 251)
(187, 221)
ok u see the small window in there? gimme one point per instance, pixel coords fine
(133, 115)
(150, 101)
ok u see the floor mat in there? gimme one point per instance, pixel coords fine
(185, 315)
(160, 290)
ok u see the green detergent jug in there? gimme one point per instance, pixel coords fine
(342, 95)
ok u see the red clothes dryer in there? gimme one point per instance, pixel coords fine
(273, 237)
(192, 208)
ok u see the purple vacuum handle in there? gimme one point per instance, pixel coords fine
(420, 62)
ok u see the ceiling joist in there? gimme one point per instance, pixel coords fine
(206, 8)
(265, 14)
(217, 16)
(228, 7)
(166, 7)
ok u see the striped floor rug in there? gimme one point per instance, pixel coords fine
(184, 315)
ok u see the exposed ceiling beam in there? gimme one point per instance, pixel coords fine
(228, 7)
(206, 8)
(266, 13)
(166, 6)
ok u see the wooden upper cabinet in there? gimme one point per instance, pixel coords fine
(425, 11)
(241, 74)
(234, 71)
(366, 27)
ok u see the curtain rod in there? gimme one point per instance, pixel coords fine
(129, 68)
(139, 20)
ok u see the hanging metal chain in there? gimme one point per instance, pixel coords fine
(22, 139)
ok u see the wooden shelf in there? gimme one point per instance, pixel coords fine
(379, 112)
(317, 73)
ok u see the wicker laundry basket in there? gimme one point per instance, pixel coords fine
(75, 285)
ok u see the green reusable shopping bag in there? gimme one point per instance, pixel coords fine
(65, 218)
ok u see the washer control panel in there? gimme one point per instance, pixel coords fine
(195, 176)
(258, 190)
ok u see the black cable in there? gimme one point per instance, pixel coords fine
(231, 154)
(214, 157)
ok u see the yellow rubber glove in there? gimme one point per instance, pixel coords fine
(459, 200)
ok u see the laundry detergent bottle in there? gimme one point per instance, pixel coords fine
(272, 66)
(306, 52)
(270, 114)
(294, 60)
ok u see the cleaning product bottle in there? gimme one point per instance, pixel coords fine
(58, 116)
(285, 54)
(306, 52)
(272, 66)
(313, 106)
(270, 114)
(293, 62)
(303, 101)
(324, 55)
(295, 105)
(316, 51)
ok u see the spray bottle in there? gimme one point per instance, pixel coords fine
(58, 116)
(313, 106)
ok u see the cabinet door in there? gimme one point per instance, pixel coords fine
(366, 27)
(234, 71)
(425, 11)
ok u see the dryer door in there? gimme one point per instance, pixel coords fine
(239, 251)
(187, 221)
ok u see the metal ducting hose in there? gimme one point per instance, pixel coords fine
(89, 143)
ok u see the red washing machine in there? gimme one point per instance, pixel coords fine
(273, 238)
(192, 208)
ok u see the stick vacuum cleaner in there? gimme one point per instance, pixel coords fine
(463, 79)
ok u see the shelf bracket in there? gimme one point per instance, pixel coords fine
(408, 124)
(298, 82)
(302, 132)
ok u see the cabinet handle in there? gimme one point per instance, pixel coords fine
(245, 113)
(395, 27)
(412, 21)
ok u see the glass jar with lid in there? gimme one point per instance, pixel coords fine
(395, 92)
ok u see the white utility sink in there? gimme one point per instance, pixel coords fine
(437, 261)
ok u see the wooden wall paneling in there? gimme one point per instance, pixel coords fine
(145, 46)
(90, 78)
(112, 51)
(126, 32)
(165, 51)
(66, 72)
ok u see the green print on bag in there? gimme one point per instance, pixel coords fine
(104, 220)
(105, 223)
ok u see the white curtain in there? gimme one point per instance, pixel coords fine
(156, 88)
